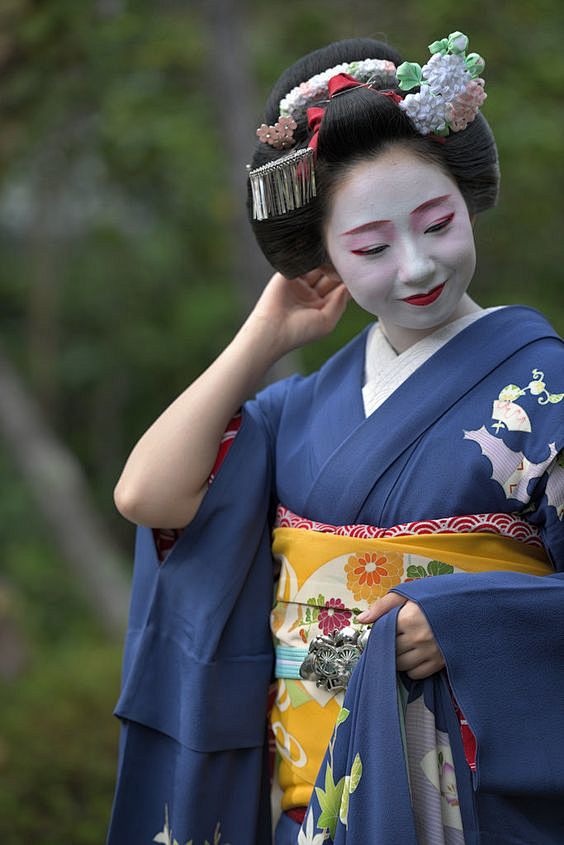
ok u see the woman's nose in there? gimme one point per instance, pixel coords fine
(415, 265)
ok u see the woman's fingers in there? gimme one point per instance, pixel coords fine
(423, 670)
(409, 660)
(417, 652)
(312, 277)
(325, 285)
(380, 607)
(323, 279)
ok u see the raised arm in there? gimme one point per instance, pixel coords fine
(165, 477)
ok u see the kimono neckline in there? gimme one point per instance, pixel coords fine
(343, 435)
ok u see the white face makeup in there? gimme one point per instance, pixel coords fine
(400, 237)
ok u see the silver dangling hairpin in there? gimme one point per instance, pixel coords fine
(283, 185)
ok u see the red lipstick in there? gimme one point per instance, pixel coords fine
(425, 298)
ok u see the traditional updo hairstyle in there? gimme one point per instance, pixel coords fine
(357, 125)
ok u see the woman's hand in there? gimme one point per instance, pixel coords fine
(303, 309)
(417, 652)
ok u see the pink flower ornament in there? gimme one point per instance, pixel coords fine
(285, 127)
(268, 134)
(450, 91)
(448, 785)
(280, 136)
(466, 105)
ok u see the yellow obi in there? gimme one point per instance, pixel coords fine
(325, 580)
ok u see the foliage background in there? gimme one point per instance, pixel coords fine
(118, 287)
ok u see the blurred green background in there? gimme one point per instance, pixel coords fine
(126, 264)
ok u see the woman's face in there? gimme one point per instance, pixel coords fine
(401, 239)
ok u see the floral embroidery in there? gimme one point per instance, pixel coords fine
(309, 837)
(166, 837)
(510, 469)
(438, 767)
(333, 616)
(536, 387)
(334, 799)
(330, 615)
(508, 414)
(447, 778)
(434, 567)
(371, 575)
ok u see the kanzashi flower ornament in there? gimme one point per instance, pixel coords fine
(280, 135)
(450, 95)
(451, 91)
(379, 72)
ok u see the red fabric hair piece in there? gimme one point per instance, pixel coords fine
(336, 85)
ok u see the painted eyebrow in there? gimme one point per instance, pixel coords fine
(374, 224)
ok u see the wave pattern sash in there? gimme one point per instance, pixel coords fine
(330, 573)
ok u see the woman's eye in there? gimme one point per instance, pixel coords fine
(441, 224)
(373, 250)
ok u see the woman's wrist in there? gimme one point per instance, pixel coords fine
(260, 336)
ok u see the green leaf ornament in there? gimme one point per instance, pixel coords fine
(457, 43)
(437, 567)
(344, 808)
(409, 75)
(330, 801)
(511, 392)
(416, 572)
(342, 717)
(356, 773)
(475, 64)
(439, 47)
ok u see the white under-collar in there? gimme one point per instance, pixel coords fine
(385, 370)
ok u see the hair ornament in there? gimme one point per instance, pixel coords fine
(338, 84)
(379, 72)
(450, 95)
(281, 135)
(283, 185)
(450, 88)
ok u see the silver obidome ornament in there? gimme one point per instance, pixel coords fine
(332, 657)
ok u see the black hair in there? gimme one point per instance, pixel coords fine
(358, 125)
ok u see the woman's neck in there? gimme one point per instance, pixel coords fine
(401, 338)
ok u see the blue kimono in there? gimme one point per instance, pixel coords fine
(198, 656)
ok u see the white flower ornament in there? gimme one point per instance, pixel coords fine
(378, 71)
(450, 88)
(450, 95)
(309, 837)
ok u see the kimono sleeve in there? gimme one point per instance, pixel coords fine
(189, 628)
(502, 637)
(198, 660)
